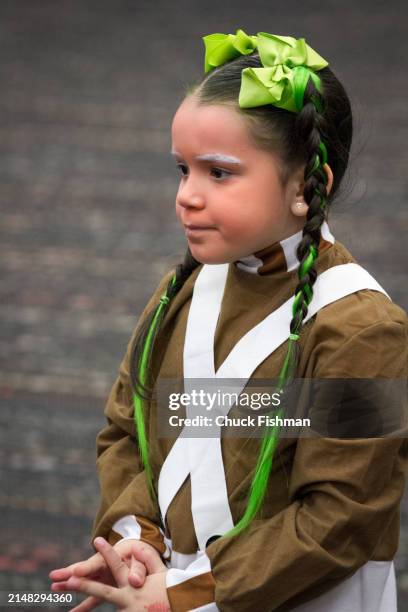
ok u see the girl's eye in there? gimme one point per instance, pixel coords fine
(182, 167)
(218, 172)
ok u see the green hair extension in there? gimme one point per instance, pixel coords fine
(260, 480)
(137, 397)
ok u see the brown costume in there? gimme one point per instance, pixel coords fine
(332, 505)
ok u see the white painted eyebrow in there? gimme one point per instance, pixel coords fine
(219, 157)
(214, 157)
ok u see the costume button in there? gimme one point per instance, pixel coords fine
(212, 539)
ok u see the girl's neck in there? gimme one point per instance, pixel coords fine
(281, 256)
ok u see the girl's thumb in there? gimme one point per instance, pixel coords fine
(150, 559)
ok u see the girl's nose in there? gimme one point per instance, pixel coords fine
(188, 196)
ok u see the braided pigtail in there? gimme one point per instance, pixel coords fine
(141, 355)
(308, 127)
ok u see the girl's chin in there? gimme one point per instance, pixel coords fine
(206, 257)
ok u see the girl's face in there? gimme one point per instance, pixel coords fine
(230, 200)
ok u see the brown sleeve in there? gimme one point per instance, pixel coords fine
(193, 587)
(192, 590)
(343, 496)
(122, 480)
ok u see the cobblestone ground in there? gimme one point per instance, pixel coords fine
(87, 228)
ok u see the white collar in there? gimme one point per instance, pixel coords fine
(280, 255)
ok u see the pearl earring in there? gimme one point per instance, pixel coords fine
(299, 208)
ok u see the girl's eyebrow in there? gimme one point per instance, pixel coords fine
(214, 157)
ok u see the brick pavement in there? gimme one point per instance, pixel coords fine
(87, 223)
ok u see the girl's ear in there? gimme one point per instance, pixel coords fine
(329, 173)
(299, 206)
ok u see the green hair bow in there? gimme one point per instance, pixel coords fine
(288, 63)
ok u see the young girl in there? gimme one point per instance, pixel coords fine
(264, 292)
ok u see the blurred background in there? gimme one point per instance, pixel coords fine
(88, 90)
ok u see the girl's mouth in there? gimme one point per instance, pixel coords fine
(196, 229)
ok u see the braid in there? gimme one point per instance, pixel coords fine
(309, 126)
(141, 354)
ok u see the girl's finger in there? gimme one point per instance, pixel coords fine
(137, 573)
(150, 559)
(59, 586)
(117, 566)
(61, 573)
(62, 585)
(82, 568)
(91, 566)
(96, 589)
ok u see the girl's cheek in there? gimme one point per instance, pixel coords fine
(241, 221)
(235, 233)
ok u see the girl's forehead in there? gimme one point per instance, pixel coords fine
(214, 125)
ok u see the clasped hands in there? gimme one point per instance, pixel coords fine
(131, 575)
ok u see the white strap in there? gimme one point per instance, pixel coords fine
(200, 331)
(257, 344)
